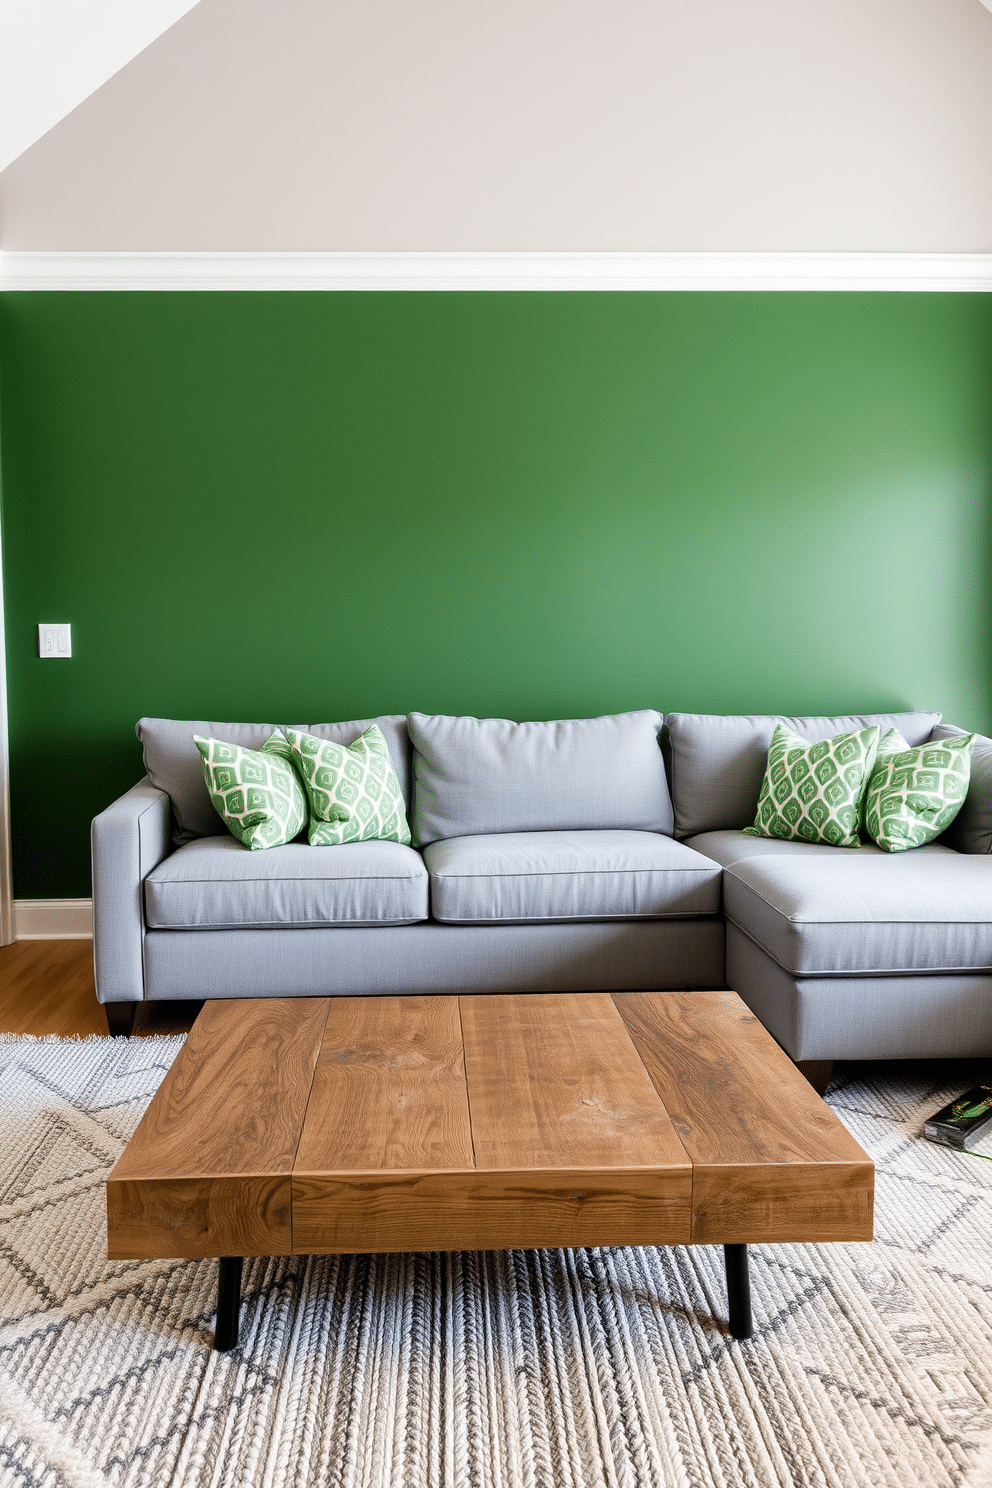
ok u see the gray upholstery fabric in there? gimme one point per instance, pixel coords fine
(216, 883)
(475, 776)
(864, 913)
(884, 1017)
(127, 841)
(521, 876)
(971, 829)
(592, 956)
(173, 761)
(717, 762)
(731, 846)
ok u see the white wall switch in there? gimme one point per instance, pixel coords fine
(54, 640)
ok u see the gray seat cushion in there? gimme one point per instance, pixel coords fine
(731, 846)
(864, 912)
(214, 883)
(173, 760)
(473, 776)
(518, 877)
(717, 761)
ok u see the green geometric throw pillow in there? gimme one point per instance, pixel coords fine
(914, 794)
(812, 792)
(889, 744)
(353, 790)
(255, 791)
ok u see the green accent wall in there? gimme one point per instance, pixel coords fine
(318, 506)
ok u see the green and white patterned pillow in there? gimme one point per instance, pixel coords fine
(812, 792)
(914, 794)
(889, 744)
(254, 791)
(353, 790)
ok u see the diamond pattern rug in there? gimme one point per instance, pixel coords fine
(543, 1369)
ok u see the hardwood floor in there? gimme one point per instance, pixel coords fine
(46, 987)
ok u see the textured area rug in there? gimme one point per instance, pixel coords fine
(544, 1369)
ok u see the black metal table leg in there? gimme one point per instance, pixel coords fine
(228, 1303)
(738, 1290)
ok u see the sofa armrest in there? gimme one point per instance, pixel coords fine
(971, 829)
(127, 841)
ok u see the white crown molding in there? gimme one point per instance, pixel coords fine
(53, 919)
(497, 271)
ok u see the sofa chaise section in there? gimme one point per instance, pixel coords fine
(866, 914)
(843, 953)
(874, 956)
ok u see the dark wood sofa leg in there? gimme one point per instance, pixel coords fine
(817, 1072)
(120, 1018)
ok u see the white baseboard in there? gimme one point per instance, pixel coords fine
(497, 271)
(53, 919)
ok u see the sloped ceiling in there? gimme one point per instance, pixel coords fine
(55, 53)
(312, 125)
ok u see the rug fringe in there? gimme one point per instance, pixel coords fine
(88, 1038)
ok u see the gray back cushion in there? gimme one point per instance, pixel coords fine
(173, 760)
(717, 761)
(479, 775)
(971, 829)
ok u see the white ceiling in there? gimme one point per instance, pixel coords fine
(55, 53)
(336, 126)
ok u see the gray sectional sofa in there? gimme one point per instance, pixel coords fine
(575, 855)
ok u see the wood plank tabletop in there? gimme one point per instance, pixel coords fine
(389, 1089)
(483, 1122)
(770, 1160)
(555, 1082)
(208, 1171)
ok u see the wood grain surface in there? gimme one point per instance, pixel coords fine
(483, 1122)
(770, 1160)
(389, 1089)
(188, 1217)
(777, 1204)
(47, 988)
(491, 1210)
(231, 1107)
(555, 1081)
(555, 1094)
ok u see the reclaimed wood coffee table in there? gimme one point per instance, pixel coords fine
(483, 1122)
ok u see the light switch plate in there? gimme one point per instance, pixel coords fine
(54, 640)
